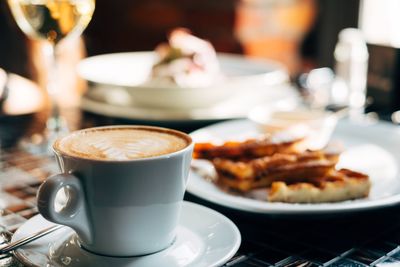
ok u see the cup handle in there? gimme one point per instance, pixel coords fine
(74, 213)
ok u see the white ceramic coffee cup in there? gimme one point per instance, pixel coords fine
(119, 208)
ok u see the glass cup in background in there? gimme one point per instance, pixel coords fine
(351, 69)
(53, 21)
(344, 88)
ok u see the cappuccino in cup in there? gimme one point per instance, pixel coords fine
(122, 143)
(125, 186)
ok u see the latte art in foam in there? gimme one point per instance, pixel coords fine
(121, 143)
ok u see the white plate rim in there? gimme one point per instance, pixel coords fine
(256, 206)
(149, 114)
(286, 96)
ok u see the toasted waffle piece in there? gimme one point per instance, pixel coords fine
(338, 185)
(262, 172)
(251, 148)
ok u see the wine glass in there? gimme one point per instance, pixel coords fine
(52, 20)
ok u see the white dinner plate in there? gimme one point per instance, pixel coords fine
(117, 104)
(119, 89)
(205, 238)
(370, 148)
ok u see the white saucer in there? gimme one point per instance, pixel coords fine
(204, 238)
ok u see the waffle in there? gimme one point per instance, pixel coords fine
(290, 173)
(338, 185)
(262, 172)
(248, 149)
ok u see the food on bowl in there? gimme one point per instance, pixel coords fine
(192, 88)
(289, 172)
(186, 61)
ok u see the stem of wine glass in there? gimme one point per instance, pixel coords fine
(55, 123)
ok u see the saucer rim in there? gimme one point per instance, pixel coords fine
(185, 204)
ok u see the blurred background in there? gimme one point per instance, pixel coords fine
(300, 34)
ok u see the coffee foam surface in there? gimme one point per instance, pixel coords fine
(120, 143)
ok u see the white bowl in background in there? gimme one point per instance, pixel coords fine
(131, 71)
(315, 125)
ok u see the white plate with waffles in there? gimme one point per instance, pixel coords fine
(371, 148)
